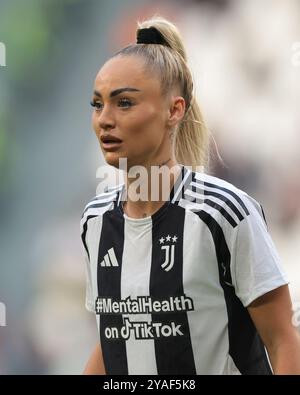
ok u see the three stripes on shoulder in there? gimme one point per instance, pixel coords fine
(102, 201)
(207, 192)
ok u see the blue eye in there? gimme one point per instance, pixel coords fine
(125, 102)
(97, 105)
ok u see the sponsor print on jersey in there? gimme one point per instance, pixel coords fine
(143, 305)
(143, 330)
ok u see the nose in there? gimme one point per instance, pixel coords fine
(106, 120)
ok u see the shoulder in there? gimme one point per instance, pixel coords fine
(218, 200)
(101, 203)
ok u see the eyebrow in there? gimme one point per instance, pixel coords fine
(118, 91)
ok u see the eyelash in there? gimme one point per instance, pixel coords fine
(94, 104)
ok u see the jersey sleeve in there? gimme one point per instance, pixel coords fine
(255, 265)
(89, 300)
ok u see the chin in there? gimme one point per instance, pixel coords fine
(112, 161)
(113, 158)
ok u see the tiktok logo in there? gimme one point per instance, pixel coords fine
(144, 330)
(2, 54)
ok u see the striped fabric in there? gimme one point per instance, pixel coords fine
(170, 291)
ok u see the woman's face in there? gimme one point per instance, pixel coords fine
(138, 118)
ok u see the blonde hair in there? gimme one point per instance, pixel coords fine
(169, 61)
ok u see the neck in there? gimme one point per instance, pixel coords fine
(149, 190)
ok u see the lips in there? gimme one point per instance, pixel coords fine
(110, 143)
(107, 139)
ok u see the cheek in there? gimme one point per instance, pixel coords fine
(144, 133)
(144, 119)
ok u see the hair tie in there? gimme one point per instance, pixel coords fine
(150, 36)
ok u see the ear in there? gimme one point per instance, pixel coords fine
(176, 110)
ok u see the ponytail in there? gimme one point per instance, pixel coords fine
(191, 136)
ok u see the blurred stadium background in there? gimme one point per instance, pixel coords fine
(248, 82)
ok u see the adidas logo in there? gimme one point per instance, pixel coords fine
(109, 259)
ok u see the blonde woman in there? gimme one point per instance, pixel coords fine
(189, 283)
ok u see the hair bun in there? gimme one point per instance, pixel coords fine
(150, 36)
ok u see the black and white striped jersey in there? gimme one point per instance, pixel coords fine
(170, 291)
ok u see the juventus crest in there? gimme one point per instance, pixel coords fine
(168, 249)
